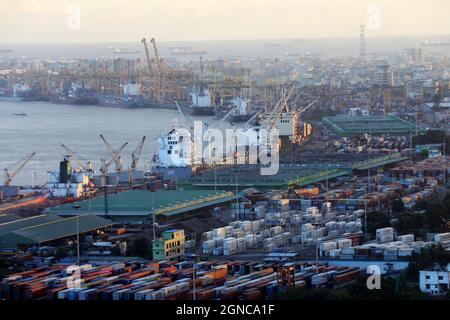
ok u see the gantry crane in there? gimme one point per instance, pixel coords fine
(10, 175)
(118, 158)
(160, 73)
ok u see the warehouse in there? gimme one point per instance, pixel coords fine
(46, 228)
(347, 126)
(249, 176)
(139, 205)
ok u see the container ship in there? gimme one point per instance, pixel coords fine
(131, 99)
(77, 95)
(174, 158)
(200, 103)
(436, 43)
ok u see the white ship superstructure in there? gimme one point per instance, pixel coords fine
(239, 106)
(68, 182)
(176, 149)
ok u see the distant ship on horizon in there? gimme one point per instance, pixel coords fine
(185, 51)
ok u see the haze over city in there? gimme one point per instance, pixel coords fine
(48, 21)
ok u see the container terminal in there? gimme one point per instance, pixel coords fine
(359, 139)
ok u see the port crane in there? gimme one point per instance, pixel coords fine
(307, 107)
(77, 158)
(160, 72)
(118, 158)
(105, 165)
(135, 158)
(147, 56)
(278, 108)
(10, 175)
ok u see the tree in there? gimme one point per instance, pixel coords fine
(426, 259)
(398, 205)
(140, 247)
(378, 220)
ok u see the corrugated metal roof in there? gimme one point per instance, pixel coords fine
(8, 217)
(21, 223)
(142, 202)
(52, 230)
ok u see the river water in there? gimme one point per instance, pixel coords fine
(47, 125)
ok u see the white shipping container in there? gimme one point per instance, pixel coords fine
(329, 245)
(344, 243)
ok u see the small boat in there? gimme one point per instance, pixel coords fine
(22, 114)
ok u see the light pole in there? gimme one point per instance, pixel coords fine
(76, 207)
(238, 211)
(153, 216)
(316, 225)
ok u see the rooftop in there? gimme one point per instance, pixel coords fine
(39, 231)
(143, 203)
(347, 126)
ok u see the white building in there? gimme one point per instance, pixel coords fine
(435, 281)
(358, 112)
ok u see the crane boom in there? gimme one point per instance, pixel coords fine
(136, 154)
(278, 107)
(106, 165)
(188, 121)
(160, 74)
(147, 55)
(254, 116)
(117, 160)
(226, 116)
(10, 176)
(305, 108)
(73, 155)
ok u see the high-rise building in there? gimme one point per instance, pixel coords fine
(383, 76)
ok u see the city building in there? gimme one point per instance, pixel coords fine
(435, 281)
(170, 246)
(383, 76)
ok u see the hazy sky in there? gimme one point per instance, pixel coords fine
(167, 20)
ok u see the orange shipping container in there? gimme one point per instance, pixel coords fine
(218, 273)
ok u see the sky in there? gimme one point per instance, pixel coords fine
(53, 21)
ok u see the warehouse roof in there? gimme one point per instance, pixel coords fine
(143, 202)
(52, 230)
(356, 125)
(8, 217)
(21, 223)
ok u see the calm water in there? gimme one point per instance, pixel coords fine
(48, 125)
(325, 47)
